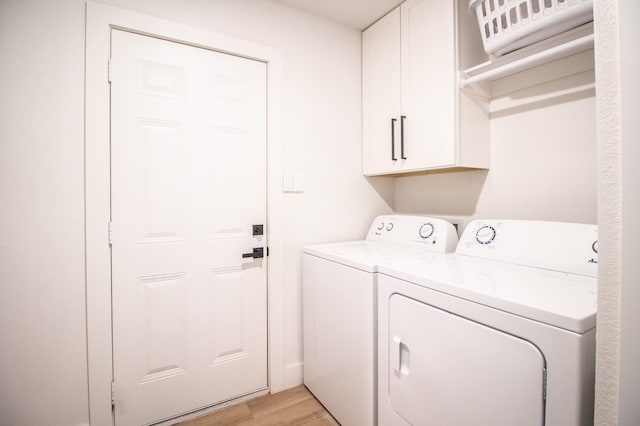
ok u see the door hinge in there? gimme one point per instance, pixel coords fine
(109, 70)
(113, 394)
(110, 233)
(267, 250)
(544, 384)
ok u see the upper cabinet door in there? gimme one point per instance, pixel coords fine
(381, 95)
(428, 83)
(414, 116)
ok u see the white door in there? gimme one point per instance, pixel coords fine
(447, 370)
(428, 83)
(188, 151)
(381, 95)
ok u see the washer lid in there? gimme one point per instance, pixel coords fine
(363, 255)
(391, 236)
(563, 300)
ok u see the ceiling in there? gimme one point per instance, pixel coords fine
(353, 13)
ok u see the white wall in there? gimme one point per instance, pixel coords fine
(43, 379)
(43, 366)
(543, 159)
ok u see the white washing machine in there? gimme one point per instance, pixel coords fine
(502, 333)
(339, 310)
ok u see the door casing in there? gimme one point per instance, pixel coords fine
(100, 20)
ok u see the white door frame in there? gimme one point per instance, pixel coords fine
(100, 19)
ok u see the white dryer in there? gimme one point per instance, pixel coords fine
(339, 310)
(502, 333)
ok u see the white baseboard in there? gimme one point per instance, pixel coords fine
(293, 375)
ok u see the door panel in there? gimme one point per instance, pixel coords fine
(162, 181)
(230, 313)
(188, 182)
(163, 327)
(447, 370)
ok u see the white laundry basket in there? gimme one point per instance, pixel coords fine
(507, 25)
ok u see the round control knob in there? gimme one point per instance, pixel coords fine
(380, 226)
(486, 234)
(389, 226)
(594, 246)
(426, 230)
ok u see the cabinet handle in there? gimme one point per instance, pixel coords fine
(402, 117)
(393, 139)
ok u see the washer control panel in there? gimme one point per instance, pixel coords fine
(559, 246)
(422, 232)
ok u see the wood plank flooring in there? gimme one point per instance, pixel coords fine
(295, 406)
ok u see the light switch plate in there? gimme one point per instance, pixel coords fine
(292, 182)
(287, 182)
(298, 182)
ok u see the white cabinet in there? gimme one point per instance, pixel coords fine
(381, 94)
(415, 118)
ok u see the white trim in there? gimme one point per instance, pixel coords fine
(293, 375)
(100, 19)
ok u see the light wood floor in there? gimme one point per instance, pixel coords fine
(294, 406)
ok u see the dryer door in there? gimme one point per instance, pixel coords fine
(447, 370)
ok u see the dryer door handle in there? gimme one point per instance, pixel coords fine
(399, 356)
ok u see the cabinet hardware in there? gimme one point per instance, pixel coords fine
(402, 117)
(393, 139)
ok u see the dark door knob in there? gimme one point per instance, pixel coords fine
(258, 253)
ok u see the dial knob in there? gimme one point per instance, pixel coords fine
(389, 226)
(594, 246)
(380, 226)
(486, 234)
(426, 230)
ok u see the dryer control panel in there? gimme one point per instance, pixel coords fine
(559, 246)
(422, 232)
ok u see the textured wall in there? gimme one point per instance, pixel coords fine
(618, 375)
(609, 213)
(629, 31)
